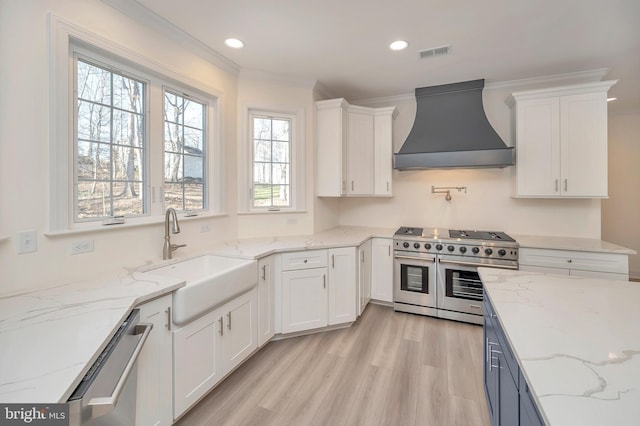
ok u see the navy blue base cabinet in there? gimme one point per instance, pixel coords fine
(508, 398)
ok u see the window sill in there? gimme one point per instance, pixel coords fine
(262, 212)
(137, 224)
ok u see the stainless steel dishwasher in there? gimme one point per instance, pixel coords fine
(107, 393)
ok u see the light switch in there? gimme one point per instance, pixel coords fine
(27, 241)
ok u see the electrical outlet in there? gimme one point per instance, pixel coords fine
(27, 241)
(81, 246)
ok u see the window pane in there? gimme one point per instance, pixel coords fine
(194, 114)
(127, 163)
(127, 200)
(281, 152)
(262, 172)
(93, 161)
(193, 141)
(94, 121)
(193, 169)
(94, 84)
(261, 150)
(281, 195)
(184, 157)
(281, 130)
(262, 128)
(172, 137)
(262, 195)
(127, 93)
(127, 128)
(280, 173)
(93, 199)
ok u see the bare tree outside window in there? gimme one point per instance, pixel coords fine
(110, 144)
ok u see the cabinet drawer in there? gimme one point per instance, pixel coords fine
(304, 260)
(579, 260)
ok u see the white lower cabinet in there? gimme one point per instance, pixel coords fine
(155, 382)
(364, 276)
(304, 299)
(208, 348)
(576, 263)
(382, 269)
(317, 288)
(342, 285)
(266, 300)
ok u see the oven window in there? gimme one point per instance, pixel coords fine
(463, 285)
(414, 278)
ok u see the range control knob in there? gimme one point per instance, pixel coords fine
(488, 251)
(416, 246)
(502, 252)
(405, 244)
(451, 248)
(438, 246)
(427, 246)
(463, 249)
(476, 250)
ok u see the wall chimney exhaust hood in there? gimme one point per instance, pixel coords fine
(451, 130)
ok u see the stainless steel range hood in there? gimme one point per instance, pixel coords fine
(451, 130)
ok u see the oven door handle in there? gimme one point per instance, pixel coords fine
(456, 262)
(424, 259)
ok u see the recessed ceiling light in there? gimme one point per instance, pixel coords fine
(611, 99)
(398, 45)
(234, 43)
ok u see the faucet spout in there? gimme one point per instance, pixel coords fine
(169, 248)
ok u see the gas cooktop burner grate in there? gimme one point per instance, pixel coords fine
(480, 235)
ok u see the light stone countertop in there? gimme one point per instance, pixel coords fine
(570, 243)
(577, 341)
(50, 337)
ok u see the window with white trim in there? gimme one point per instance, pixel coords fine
(137, 141)
(271, 161)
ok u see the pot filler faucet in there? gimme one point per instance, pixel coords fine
(169, 248)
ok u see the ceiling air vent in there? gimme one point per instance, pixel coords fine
(436, 51)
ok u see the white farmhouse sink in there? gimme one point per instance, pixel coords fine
(211, 281)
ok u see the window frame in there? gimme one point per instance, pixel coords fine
(296, 159)
(64, 40)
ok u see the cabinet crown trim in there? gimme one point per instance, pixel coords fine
(575, 89)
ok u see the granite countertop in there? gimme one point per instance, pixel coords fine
(50, 337)
(570, 243)
(577, 342)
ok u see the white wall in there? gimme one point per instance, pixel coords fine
(488, 203)
(621, 211)
(24, 144)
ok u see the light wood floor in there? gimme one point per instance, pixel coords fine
(389, 368)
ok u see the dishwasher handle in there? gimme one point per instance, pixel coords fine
(104, 404)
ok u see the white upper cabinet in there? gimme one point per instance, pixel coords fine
(561, 137)
(354, 149)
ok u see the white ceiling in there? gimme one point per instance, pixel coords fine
(343, 44)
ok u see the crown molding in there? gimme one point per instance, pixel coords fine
(573, 77)
(150, 19)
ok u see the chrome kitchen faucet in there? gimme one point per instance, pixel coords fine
(169, 248)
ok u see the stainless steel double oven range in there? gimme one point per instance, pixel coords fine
(436, 271)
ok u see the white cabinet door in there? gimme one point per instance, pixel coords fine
(304, 299)
(266, 300)
(583, 132)
(342, 285)
(155, 381)
(197, 359)
(538, 149)
(383, 146)
(331, 137)
(382, 269)
(360, 152)
(364, 276)
(240, 337)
